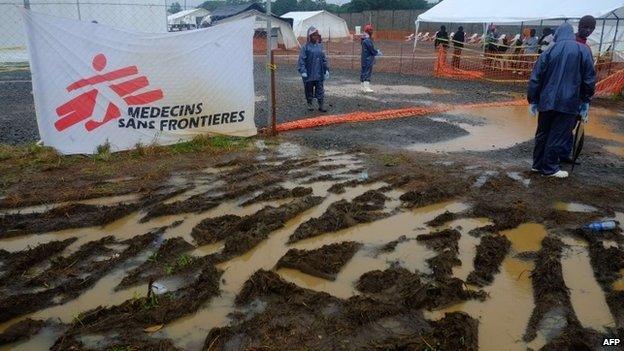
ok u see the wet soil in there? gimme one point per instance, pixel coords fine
(296, 318)
(324, 262)
(21, 330)
(142, 312)
(243, 233)
(66, 280)
(343, 214)
(491, 252)
(169, 259)
(240, 253)
(278, 193)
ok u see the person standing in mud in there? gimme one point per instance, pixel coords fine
(314, 69)
(369, 52)
(561, 86)
(586, 27)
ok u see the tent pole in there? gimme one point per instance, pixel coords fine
(617, 24)
(604, 21)
(416, 34)
(269, 69)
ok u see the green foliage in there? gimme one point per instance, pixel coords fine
(169, 269)
(370, 5)
(184, 260)
(175, 7)
(150, 302)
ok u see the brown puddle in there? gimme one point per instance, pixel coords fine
(619, 284)
(503, 317)
(587, 297)
(190, 332)
(506, 126)
(100, 201)
(526, 237)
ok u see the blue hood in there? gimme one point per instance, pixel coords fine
(565, 32)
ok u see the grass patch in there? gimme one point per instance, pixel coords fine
(31, 171)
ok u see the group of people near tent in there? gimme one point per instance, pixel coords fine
(314, 69)
(560, 89)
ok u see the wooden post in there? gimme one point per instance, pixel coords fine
(273, 103)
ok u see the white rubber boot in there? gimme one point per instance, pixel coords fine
(559, 174)
(367, 88)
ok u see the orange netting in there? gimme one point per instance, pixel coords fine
(383, 115)
(443, 69)
(612, 85)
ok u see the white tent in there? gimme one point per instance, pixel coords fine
(285, 34)
(329, 25)
(533, 13)
(192, 16)
(515, 12)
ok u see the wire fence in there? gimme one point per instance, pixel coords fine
(139, 15)
(471, 61)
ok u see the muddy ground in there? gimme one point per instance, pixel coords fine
(340, 237)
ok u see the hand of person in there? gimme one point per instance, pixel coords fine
(326, 74)
(304, 75)
(379, 53)
(533, 110)
(584, 112)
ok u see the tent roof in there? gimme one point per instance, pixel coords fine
(201, 12)
(301, 15)
(229, 11)
(288, 36)
(496, 11)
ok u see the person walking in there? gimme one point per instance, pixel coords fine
(458, 44)
(561, 86)
(368, 58)
(314, 69)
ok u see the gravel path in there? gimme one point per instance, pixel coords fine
(18, 123)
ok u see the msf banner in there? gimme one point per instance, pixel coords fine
(96, 85)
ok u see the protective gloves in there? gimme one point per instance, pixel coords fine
(304, 75)
(379, 53)
(533, 110)
(326, 74)
(584, 112)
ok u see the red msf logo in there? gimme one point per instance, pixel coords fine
(81, 107)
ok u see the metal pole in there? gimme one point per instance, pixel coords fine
(78, 7)
(269, 36)
(27, 4)
(273, 104)
(617, 24)
(604, 22)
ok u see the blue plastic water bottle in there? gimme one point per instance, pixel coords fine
(601, 226)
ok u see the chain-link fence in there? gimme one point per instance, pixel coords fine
(140, 15)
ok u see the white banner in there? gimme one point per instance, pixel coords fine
(95, 84)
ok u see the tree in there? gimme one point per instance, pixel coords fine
(175, 7)
(280, 7)
(211, 5)
(368, 5)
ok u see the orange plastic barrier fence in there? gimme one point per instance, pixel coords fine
(383, 115)
(612, 85)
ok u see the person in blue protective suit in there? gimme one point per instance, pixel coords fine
(368, 58)
(561, 86)
(314, 69)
